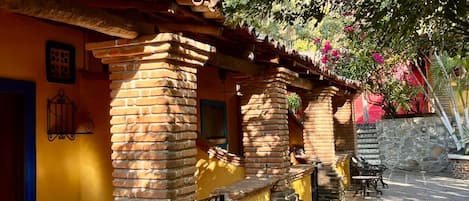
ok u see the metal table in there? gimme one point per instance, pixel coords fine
(366, 181)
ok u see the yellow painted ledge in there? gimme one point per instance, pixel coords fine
(302, 187)
(213, 173)
(301, 181)
(343, 169)
(262, 195)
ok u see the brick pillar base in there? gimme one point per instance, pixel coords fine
(265, 124)
(153, 109)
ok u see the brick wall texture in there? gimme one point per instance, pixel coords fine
(265, 126)
(153, 108)
(460, 168)
(318, 132)
(345, 136)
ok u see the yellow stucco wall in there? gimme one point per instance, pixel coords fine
(302, 187)
(262, 195)
(295, 131)
(343, 170)
(212, 173)
(77, 170)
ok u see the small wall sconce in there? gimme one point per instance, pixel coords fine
(61, 118)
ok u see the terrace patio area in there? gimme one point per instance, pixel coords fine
(418, 186)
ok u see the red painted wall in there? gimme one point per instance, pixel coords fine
(375, 113)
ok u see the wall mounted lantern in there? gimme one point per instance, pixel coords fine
(61, 118)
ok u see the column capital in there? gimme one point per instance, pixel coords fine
(163, 46)
(326, 91)
(277, 74)
(347, 94)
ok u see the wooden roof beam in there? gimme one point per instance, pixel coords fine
(344, 92)
(293, 78)
(301, 83)
(199, 29)
(235, 64)
(160, 6)
(78, 15)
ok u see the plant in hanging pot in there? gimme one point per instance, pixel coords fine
(294, 102)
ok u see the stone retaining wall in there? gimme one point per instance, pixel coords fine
(414, 144)
(459, 166)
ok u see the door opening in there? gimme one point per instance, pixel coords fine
(12, 146)
(18, 142)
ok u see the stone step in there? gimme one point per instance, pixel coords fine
(367, 135)
(366, 126)
(362, 131)
(368, 151)
(368, 146)
(367, 141)
(369, 156)
(374, 161)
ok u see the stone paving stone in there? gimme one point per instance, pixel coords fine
(419, 186)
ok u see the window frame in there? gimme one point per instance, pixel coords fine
(218, 104)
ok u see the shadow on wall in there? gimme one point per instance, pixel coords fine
(154, 113)
(342, 135)
(343, 125)
(265, 127)
(212, 173)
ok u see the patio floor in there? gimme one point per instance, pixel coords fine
(419, 186)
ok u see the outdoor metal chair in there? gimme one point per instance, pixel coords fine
(367, 169)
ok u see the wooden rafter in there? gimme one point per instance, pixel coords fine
(78, 15)
(153, 7)
(301, 83)
(216, 31)
(293, 78)
(148, 6)
(235, 64)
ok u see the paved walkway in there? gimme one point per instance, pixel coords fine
(415, 186)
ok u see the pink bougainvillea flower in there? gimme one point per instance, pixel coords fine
(317, 41)
(335, 53)
(327, 47)
(324, 59)
(348, 29)
(378, 58)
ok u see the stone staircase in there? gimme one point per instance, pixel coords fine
(368, 146)
(329, 185)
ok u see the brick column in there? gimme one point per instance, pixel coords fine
(345, 133)
(318, 132)
(265, 124)
(153, 109)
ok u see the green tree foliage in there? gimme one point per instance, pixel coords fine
(285, 20)
(412, 27)
(309, 25)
